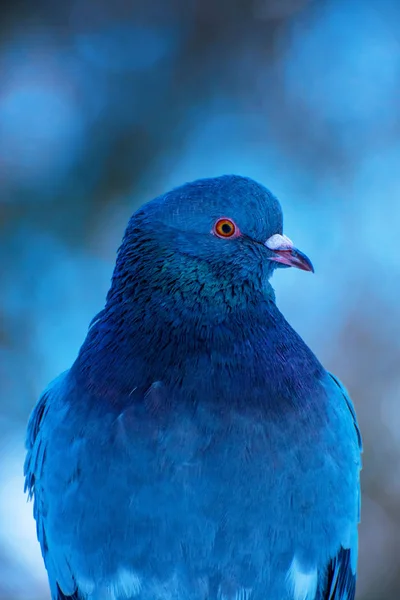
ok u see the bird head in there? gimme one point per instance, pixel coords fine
(224, 229)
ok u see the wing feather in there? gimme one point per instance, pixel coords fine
(340, 580)
(58, 570)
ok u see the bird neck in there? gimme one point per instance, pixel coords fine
(164, 319)
(130, 347)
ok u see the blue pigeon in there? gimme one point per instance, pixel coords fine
(197, 449)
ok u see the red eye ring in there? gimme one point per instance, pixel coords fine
(225, 228)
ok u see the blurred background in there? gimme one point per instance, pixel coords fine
(104, 105)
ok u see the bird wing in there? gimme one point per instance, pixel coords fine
(350, 406)
(340, 581)
(36, 444)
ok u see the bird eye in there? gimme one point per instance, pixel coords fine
(225, 228)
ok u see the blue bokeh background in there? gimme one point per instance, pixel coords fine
(104, 105)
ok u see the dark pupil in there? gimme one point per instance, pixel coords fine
(226, 228)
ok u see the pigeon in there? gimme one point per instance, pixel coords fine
(197, 449)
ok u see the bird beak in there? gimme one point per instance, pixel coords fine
(286, 254)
